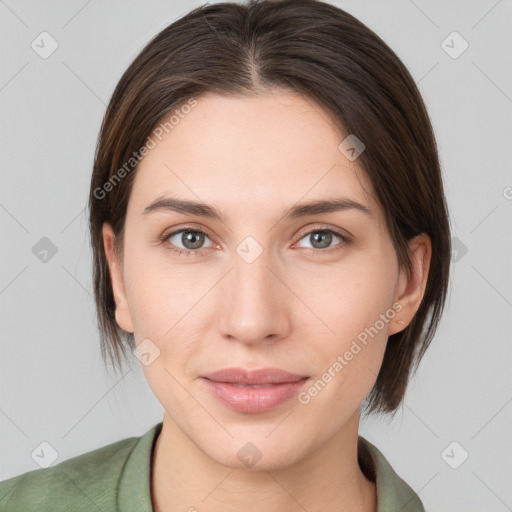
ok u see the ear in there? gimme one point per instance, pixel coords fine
(123, 315)
(411, 285)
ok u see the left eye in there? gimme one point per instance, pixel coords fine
(322, 238)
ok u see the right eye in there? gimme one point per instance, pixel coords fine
(191, 240)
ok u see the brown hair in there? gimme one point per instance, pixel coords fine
(325, 54)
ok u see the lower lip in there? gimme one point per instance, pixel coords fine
(253, 400)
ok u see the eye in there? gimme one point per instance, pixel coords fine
(322, 238)
(191, 240)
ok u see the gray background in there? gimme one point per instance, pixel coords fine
(54, 385)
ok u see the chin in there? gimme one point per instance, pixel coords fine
(258, 453)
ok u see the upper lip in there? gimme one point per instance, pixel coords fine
(253, 377)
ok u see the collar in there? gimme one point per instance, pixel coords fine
(393, 493)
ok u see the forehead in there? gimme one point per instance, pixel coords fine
(255, 151)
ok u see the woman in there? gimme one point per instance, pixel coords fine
(270, 236)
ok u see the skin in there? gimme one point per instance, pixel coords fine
(296, 307)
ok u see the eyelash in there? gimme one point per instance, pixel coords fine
(345, 240)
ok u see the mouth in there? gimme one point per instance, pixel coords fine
(255, 391)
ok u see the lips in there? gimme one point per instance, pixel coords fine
(253, 391)
(253, 377)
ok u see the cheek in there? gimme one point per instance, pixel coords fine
(354, 304)
(158, 294)
(171, 306)
(351, 297)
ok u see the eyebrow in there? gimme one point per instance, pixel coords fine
(315, 207)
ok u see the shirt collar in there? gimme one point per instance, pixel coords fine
(393, 493)
(134, 486)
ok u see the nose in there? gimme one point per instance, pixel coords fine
(255, 302)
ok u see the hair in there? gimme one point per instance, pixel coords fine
(325, 54)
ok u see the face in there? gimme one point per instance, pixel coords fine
(263, 285)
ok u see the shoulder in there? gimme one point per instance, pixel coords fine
(393, 493)
(85, 482)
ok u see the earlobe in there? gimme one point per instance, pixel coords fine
(122, 311)
(411, 286)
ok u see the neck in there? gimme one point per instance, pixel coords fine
(184, 478)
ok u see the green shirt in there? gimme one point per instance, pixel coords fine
(116, 477)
